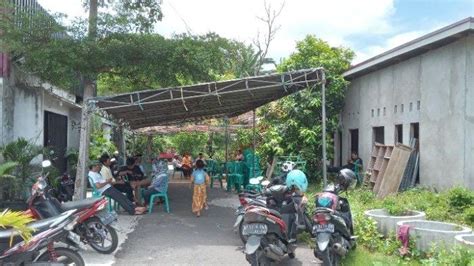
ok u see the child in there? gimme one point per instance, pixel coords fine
(200, 179)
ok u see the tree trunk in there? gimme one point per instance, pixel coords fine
(89, 92)
(84, 140)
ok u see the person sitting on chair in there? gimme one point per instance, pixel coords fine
(159, 181)
(104, 186)
(120, 184)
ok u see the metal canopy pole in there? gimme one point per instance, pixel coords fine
(253, 144)
(323, 81)
(226, 121)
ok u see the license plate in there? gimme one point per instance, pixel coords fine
(107, 217)
(323, 228)
(254, 229)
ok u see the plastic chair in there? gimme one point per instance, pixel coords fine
(174, 171)
(111, 206)
(235, 175)
(163, 195)
(216, 173)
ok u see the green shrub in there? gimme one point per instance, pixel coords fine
(460, 198)
(458, 255)
(469, 215)
(366, 230)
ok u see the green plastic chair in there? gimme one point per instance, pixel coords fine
(235, 175)
(96, 194)
(216, 173)
(163, 195)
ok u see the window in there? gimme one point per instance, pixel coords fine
(398, 134)
(378, 135)
(384, 111)
(372, 112)
(378, 111)
(402, 108)
(411, 107)
(354, 135)
(395, 109)
(415, 131)
(418, 105)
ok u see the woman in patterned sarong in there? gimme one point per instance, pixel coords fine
(200, 180)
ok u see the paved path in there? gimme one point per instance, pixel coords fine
(180, 238)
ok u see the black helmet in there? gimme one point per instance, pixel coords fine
(345, 178)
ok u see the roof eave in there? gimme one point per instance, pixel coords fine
(413, 48)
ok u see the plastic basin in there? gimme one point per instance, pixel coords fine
(429, 233)
(387, 224)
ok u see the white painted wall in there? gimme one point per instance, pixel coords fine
(441, 80)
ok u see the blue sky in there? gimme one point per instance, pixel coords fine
(369, 27)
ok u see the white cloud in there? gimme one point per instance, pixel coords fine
(334, 21)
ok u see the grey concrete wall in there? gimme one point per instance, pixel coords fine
(22, 111)
(28, 114)
(443, 116)
(438, 81)
(469, 126)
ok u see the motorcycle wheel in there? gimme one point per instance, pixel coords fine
(327, 257)
(64, 255)
(242, 237)
(257, 258)
(97, 234)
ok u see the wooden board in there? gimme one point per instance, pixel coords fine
(394, 172)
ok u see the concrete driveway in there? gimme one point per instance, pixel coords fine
(180, 238)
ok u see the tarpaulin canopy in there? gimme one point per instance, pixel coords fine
(203, 101)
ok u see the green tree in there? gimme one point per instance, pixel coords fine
(192, 142)
(293, 124)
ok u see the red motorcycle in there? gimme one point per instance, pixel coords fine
(94, 222)
(40, 248)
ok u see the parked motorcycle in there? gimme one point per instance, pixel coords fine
(246, 199)
(40, 248)
(333, 226)
(66, 188)
(271, 230)
(94, 222)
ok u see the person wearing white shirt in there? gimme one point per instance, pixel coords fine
(104, 186)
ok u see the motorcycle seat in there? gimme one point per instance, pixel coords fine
(38, 226)
(79, 204)
(274, 212)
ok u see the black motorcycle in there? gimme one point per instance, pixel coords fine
(65, 190)
(333, 227)
(271, 230)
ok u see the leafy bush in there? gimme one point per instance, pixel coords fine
(469, 215)
(23, 152)
(366, 230)
(460, 198)
(458, 255)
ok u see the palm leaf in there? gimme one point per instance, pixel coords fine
(18, 221)
(7, 168)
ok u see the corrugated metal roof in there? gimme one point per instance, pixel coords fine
(203, 101)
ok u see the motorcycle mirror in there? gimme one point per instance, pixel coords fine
(265, 183)
(46, 163)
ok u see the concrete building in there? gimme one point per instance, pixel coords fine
(423, 89)
(38, 112)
